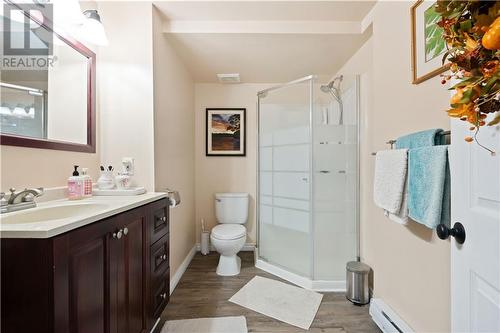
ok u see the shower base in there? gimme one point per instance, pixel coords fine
(304, 282)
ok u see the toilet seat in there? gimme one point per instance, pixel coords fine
(228, 231)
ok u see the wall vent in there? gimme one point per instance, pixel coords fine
(229, 78)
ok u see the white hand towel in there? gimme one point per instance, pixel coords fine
(402, 216)
(390, 179)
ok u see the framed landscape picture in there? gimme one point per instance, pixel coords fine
(428, 44)
(226, 132)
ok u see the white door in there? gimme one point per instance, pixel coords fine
(475, 265)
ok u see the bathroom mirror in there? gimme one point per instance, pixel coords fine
(47, 85)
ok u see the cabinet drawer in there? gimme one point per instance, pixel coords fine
(160, 257)
(160, 220)
(160, 295)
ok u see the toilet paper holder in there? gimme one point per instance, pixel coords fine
(174, 197)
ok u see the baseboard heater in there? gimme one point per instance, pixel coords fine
(386, 319)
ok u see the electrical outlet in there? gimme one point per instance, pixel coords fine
(128, 165)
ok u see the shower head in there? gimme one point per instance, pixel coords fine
(333, 88)
(333, 85)
(325, 88)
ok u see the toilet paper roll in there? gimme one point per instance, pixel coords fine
(174, 197)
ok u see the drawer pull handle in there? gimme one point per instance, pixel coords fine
(163, 296)
(161, 218)
(164, 257)
(125, 231)
(118, 234)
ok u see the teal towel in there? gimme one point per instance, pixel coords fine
(432, 137)
(429, 186)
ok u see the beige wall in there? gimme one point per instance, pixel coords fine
(174, 140)
(411, 265)
(225, 174)
(125, 85)
(30, 167)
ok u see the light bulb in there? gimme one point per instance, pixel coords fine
(92, 29)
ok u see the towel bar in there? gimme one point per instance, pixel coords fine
(393, 142)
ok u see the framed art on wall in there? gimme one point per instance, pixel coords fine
(226, 132)
(428, 45)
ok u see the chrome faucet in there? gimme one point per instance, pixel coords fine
(21, 200)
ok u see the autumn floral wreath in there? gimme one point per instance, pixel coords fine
(472, 33)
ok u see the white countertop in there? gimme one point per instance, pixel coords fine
(105, 206)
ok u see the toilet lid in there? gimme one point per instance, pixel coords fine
(229, 231)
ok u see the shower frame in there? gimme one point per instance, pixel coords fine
(274, 268)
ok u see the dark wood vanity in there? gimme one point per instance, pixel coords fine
(111, 276)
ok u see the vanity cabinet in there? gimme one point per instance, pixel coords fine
(109, 276)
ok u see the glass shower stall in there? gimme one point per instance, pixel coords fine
(308, 181)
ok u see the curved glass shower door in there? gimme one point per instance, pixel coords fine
(285, 213)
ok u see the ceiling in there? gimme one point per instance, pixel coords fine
(264, 58)
(265, 10)
(292, 40)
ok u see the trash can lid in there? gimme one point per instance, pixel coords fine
(357, 267)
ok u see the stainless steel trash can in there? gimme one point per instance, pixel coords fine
(357, 277)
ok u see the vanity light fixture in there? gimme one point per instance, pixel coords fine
(92, 29)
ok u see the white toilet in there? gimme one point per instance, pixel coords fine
(228, 237)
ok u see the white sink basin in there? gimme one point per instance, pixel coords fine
(45, 214)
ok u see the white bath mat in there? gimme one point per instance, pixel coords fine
(293, 305)
(207, 325)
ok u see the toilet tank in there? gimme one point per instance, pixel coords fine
(231, 207)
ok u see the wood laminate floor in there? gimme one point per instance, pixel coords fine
(201, 293)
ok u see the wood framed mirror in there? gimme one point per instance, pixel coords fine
(50, 105)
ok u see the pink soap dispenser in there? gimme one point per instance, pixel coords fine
(76, 185)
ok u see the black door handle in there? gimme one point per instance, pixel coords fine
(458, 231)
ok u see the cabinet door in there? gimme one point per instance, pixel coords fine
(127, 270)
(26, 285)
(81, 278)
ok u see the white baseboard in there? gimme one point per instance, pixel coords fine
(174, 280)
(318, 285)
(385, 318)
(156, 324)
(248, 247)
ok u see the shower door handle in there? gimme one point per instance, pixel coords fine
(305, 179)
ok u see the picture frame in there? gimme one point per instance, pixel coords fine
(225, 132)
(427, 43)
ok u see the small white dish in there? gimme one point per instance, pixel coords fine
(120, 192)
